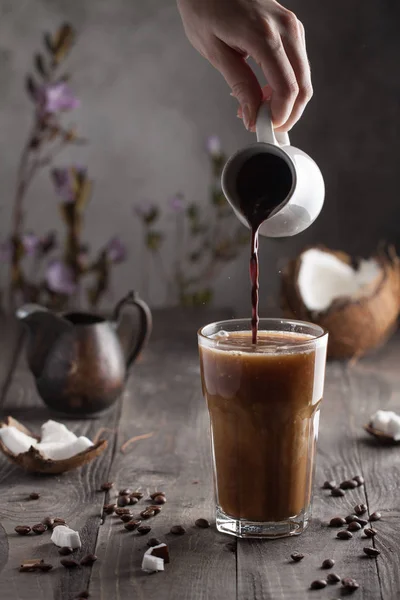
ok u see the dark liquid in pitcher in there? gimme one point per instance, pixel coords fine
(263, 182)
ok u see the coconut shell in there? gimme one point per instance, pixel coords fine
(355, 325)
(382, 437)
(34, 462)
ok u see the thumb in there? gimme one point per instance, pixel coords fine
(241, 79)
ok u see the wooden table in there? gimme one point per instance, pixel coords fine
(164, 416)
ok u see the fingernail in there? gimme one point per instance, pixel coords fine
(246, 116)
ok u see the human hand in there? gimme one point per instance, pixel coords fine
(227, 32)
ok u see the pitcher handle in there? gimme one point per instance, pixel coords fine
(265, 131)
(145, 324)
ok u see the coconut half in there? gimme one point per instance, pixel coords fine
(51, 453)
(357, 302)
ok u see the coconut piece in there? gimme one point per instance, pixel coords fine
(64, 536)
(34, 461)
(385, 424)
(161, 551)
(356, 302)
(151, 563)
(60, 451)
(53, 432)
(16, 441)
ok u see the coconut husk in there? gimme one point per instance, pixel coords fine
(355, 325)
(34, 462)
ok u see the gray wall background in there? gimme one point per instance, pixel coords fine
(149, 101)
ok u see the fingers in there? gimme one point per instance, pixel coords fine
(241, 79)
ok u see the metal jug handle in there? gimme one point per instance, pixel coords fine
(136, 339)
(265, 131)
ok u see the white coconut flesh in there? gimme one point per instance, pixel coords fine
(57, 442)
(324, 278)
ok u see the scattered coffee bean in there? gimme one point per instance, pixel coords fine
(363, 522)
(137, 495)
(126, 518)
(153, 542)
(318, 584)
(333, 578)
(177, 530)
(329, 485)
(348, 484)
(132, 524)
(69, 563)
(160, 499)
(202, 523)
(22, 529)
(337, 492)
(147, 513)
(360, 509)
(337, 522)
(122, 511)
(371, 552)
(154, 494)
(125, 492)
(350, 584)
(65, 550)
(344, 535)
(109, 508)
(123, 501)
(133, 500)
(375, 516)
(328, 563)
(39, 528)
(155, 508)
(88, 560)
(34, 496)
(359, 480)
(144, 529)
(354, 526)
(351, 518)
(48, 521)
(106, 486)
(58, 521)
(369, 532)
(297, 556)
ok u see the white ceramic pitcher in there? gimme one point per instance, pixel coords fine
(306, 197)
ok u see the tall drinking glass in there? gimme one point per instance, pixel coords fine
(264, 403)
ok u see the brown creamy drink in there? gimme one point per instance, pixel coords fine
(264, 407)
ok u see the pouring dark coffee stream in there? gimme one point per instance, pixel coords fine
(263, 183)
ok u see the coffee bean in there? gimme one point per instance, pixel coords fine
(144, 529)
(65, 550)
(350, 584)
(123, 501)
(44, 567)
(133, 500)
(58, 521)
(88, 560)
(155, 494)
(132, 524)
(348, 484)
(359, 480)
(153, 542)
(329, 485)
(124, 492)
(360, 509)
(328, 563)
(109, 508)
(351, 518)
(160, 499)
(137, 495)
(318, 584)
(177, 530)
(333, 578)
(126, 518)
(69, 563)
(39, 528)
(363, 522)
(337, 522)
(22, 529)
(371, 552)
(106, 486)
(297, 556)
(344, 535)
(337, 492)
(375, 516)
(122, 511)
(147, 513)
(34, 496)
(48, 521)
(369, 532)
(202, 523)
(354, 526)
(156, 509)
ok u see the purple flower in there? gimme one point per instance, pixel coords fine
(30, 242)
(60, 278)
(116, 250)
(6, 251)
(55, 97)
(177, 202)
(64, 181)
(214, 146)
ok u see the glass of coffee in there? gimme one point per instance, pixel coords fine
(264, 404)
